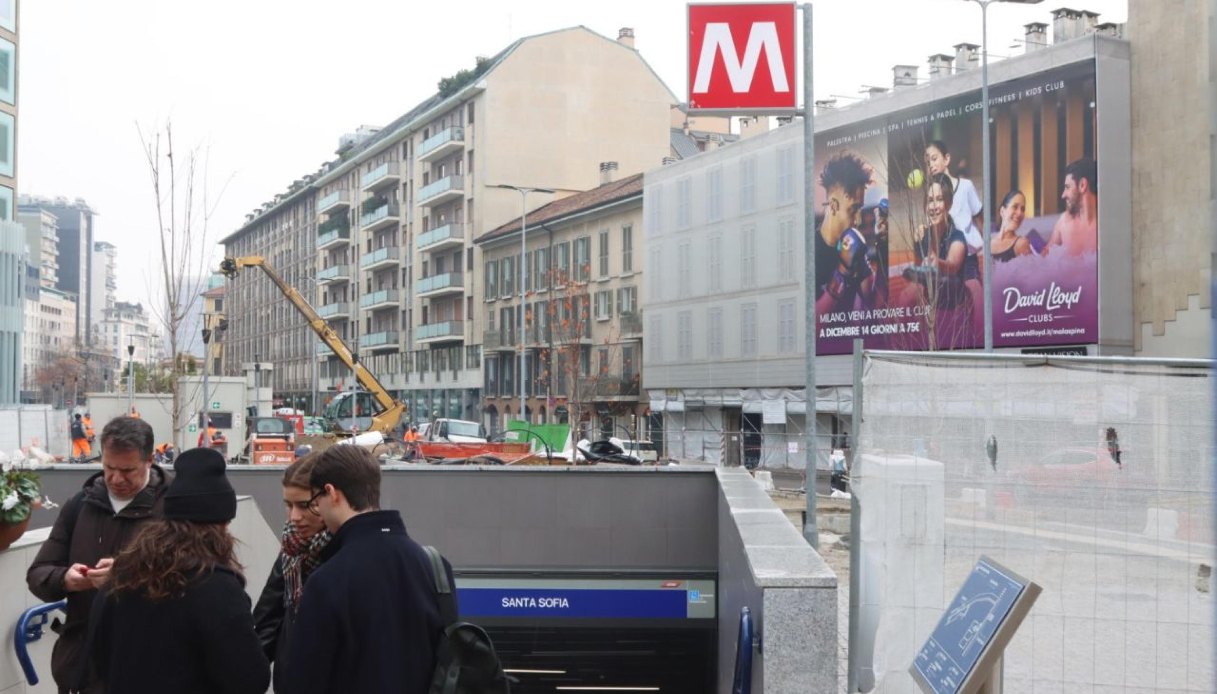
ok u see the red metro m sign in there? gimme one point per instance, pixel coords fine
(741, 58)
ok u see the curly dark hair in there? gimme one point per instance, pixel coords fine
(847, 170)
(166, 554)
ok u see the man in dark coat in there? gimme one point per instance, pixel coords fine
(92, 527)
(369, 620)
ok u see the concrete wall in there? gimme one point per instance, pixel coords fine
(1172, 50)
(766, 565)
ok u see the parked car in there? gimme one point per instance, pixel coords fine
(643, 450)
(1079, 477)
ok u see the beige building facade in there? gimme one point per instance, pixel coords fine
(1172, 173)
(394, 220)
(576, 317)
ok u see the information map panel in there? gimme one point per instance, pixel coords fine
(976, 626)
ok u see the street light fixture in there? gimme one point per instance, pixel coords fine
(985, 147)
(523, 191)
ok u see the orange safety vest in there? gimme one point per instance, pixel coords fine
(411, 436)
(89, 431)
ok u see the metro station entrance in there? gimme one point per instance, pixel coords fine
(586, 632)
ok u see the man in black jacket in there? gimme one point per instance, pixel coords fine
(368, 620)
(92, 527)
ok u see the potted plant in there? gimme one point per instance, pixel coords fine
(19, 493)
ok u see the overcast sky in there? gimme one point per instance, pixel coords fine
(266, 87)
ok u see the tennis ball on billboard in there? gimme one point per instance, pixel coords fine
(915, 179)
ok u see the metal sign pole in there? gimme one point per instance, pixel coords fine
(811, 531)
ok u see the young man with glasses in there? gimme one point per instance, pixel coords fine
(368, 620)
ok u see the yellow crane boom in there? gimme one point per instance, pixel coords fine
(391, 409)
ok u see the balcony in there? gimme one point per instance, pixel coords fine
(442, 143)
(378, 213)
(495, 341)
(335, 273)
(631, 324)
(324, 352)
(336, 201)
(334, 232)
(439, 238)
(609, 386)
(436, 285)
(439, 332)
(335, 310)
(380, 299)
(381, 340)
(441, 191)
(383, 175)
(381, 257)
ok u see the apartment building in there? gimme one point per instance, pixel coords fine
(565, 297)
(103, 282)
(215, 320)
(42, 243)
(12, 234)
(50, 334)
(127, 325)
(74, 228)
(396, 217)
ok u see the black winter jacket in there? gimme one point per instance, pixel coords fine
(273, 622)
(86, 530)
(369, 621)
(201, 642)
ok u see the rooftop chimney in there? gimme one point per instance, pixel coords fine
(872, 92)
(826, 104)
(940, 65)
(1068, 24)
(1109, 29)
(1035, 36)
(967, 56)
(753, 125)
(713, 141)
(669, 160)
(607, 169)
(625, 36)
(904, 76)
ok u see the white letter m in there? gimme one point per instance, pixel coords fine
(763, 36)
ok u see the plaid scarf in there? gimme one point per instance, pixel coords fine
(300, 556)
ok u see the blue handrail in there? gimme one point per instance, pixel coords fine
(29, 629)
(743, 654)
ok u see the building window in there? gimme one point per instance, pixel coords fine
(6, 204)
(684, 270)
(714, 194)
(786, 175)
(656, 277)
(562, 269)
(747, 319)
(786, 249)
(604, 253)
(507, 277)
(6, 144)
(714, 333)
(654, 340)
(583, 261)
(604, 304)
(8, 14)
(627, 249)
(8, 71)
(684, 336)
(747, 193)
(492, 279)
(654, 209)
(629, 365)
(627, 300)
(684, 203)
(748, 257)
(714, 264)
(786, 339)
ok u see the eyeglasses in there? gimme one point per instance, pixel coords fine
(313, 508)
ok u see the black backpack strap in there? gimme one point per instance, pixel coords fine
(443, 587)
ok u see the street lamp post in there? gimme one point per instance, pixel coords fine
(257, 385)
(206, 423)
(989, 199)
(130, 377)
(523, 191)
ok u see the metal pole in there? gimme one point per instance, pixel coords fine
(206, 423)
(130, 378)
(855, 532)
(520, 309)
(987, 203)
(811, 531)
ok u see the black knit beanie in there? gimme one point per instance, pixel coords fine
(200, 492)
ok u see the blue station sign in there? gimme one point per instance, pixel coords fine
(586, 598)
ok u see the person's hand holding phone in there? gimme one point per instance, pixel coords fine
(76, 579)
(98, 575)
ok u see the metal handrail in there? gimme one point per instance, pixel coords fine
(29, 629)
(745, 644)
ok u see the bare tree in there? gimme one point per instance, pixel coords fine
(179, 186)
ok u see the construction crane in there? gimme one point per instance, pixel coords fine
(391, 409)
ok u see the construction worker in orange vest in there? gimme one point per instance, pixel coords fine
(80, 440)
(411, 439)
(90, 432)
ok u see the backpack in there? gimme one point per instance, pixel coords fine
(465, 661)
(78, 430)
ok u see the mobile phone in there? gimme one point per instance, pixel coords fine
(84, 571)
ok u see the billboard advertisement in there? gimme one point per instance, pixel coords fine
(901, 219)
